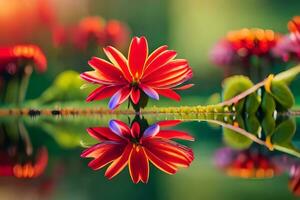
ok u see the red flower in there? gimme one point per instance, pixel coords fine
(247, 42)
(89, 29)
(116, 34)
(121, 145)
(27, 53)
(155, 74)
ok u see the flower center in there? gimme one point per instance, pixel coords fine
(136, 78)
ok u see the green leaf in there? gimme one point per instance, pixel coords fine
(284, 132)
(268, 124)
(268, 105)
(235, 139)
(252, 124)
(288, 76)
(282, 93)
(252, 103)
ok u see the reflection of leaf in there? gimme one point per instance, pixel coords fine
(235, 139)
(284, 132)
(288, 148)
(283, 135)
(268, 124)
(252, 124)
(66, 135)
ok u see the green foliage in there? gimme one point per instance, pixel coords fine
(234, 139)
(284, 132)
(283, 95)
(268, 124)
(268, 104)
(235, 85)
(287, 76)
(66, 87)
(253, 102)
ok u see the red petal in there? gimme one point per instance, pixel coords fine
(168, 67)
(118, 59)
(98, 149)
(168, 75)
(170, 151)
(167, 123)
(102, 92)
(95, 150)
(174, 134)
(95, 77)
(103, 133)
(119, 128)
(119, 164)
(138, 165)
(168, 156)
(184, 87)
(135, 95)
(149, 91)
(168, 93)
(161, 164)
(106, 157)
(160, 60)
(107, 69)
(119, 97)
(155, 53)
(135, 130)
(137, 55)
(173, 81)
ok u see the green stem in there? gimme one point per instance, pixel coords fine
(24, 80)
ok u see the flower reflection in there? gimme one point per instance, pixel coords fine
(135, 146)
(250, 163)
(291, 166)
(17, 157)
(294, 183)
(139, 77)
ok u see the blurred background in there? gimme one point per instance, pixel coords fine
(191, 27)
(62, 35)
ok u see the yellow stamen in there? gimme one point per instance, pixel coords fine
(268, 83)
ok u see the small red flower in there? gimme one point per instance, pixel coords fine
(89, 29)
(116, 34)
(121, 145)
(156, 74)
(27, 53)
